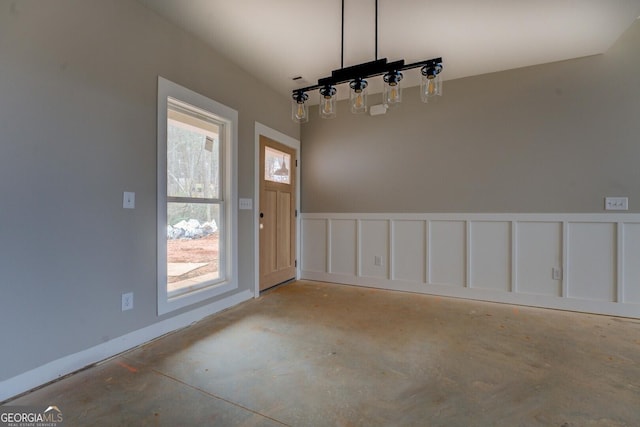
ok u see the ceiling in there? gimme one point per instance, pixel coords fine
(277, 40)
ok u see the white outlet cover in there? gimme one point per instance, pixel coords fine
(616, 203)
(127, 301)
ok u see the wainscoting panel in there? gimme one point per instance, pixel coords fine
(538, 252)
(631, 263)
(344, 250)
(579, 262)
(374, 248)
(592, 261)
(314, 242)
(409, 251)
(447, 253)
(490, 255)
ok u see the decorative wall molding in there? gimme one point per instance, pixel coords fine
(578, 262)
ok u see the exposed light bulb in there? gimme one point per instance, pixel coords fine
(300, 111)
(393, 94)
(327, 107)
(431, 87)
(359, 101)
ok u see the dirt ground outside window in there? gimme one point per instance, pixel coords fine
(203, 250)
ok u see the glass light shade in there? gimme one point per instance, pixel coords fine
(358, 96)
(327, 105)
(299, 110)
(430, 87)
(392, 90)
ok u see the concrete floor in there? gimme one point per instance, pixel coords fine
(317, 354)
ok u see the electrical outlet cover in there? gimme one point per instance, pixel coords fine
(127, 301)
(616, 203)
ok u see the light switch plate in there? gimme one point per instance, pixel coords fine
(616, 203)
(129, 200)
(245, 204)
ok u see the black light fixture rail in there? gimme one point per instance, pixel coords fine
(366, 70)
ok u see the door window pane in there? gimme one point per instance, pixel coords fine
(277, 166)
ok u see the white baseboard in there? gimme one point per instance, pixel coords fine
(74, 362)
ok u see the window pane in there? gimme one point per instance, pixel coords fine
(193, 244)
(277, 166)
(192, 161)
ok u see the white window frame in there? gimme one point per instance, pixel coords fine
(228, 212)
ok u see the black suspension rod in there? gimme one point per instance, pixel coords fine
(342, 40)
(376, 30)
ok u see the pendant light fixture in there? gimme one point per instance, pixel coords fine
(430, 85)
(299, 107)
(392, 92)
(358, 95)
(357, 75)
(327, 106)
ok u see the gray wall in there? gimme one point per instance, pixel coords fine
(550, 138)
(78, 88)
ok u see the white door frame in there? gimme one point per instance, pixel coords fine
(280, 137)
